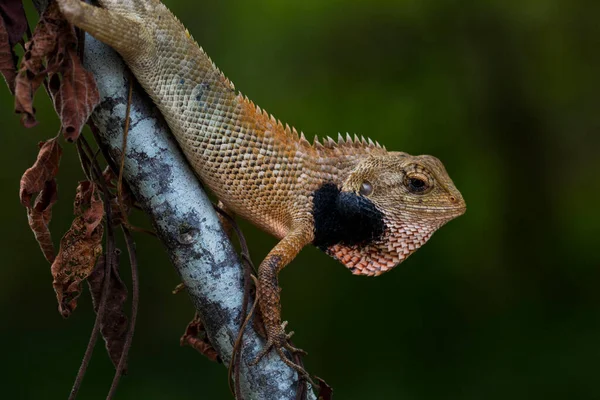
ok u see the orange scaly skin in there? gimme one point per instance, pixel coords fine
(365, 206)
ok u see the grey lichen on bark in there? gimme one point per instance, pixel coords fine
(171, 195)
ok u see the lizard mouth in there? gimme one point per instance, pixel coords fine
(442, 212)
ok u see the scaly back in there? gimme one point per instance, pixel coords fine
(224, 135)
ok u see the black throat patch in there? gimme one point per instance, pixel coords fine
(344, 218)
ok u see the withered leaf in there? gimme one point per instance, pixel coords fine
(15, 20)
(40, 180)
(52, 53)
(325, 391)
(40, 57)
(8, 60)
(13, 24)
(75, 95)
(43, 170)
(114, 321)
(79, 248)
(195, 337)
(26, 84)
(39, 218)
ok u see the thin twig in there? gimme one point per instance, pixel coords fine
(111, 163)
(134, 308)
(115, 169)
(302, 388)
(85, 162)
(109, 254)
(93, 339)
(124, 150)
(236, 348)
(235, 362)
(95, 167)
(120, 202)
(118, 170)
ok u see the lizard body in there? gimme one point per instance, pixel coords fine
(365, 206)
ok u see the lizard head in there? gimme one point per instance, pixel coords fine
(388, 206)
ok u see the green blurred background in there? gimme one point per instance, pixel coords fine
(502, 303)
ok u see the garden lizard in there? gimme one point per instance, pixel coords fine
(367, 207)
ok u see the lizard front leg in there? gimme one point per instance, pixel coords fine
(269, 299)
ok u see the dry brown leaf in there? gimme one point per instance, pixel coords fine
(13, 15)
(39, 219)
(13, 25)
(40, 180)
(114, 321)
(79, 248)
(195, 337)
(325, 391)
(75, 95)
(39, 58)
(44, 169)
(8, 64)
(52, 53)
(26, 85)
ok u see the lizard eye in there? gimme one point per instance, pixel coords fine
(417, 184)
(366, 188)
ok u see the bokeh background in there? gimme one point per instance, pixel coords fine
(503, 302)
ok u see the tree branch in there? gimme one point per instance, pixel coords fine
(185, 222)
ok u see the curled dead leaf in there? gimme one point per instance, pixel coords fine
(40, 180)
(15, 20)
(74, 93)
(52, 53)
(325, 391)
(43, 170)
(79, 248)
(195, 337)
(39, 219)
(13, 24)
(39, 58)
(8, 64)
(114, 321)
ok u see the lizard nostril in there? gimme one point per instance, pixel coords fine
(453, 199)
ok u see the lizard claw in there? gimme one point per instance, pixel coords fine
(295, 350)
(279, 342)
(262, 353)
(302, 374)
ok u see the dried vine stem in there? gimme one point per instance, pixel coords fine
(92, 170)
(109, 257)
(124, 146)
(134, 308)
(132, 256)
(234, 364)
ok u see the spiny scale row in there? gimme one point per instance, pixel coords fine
(343, 143)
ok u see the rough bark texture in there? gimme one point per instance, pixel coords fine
(184, 219)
